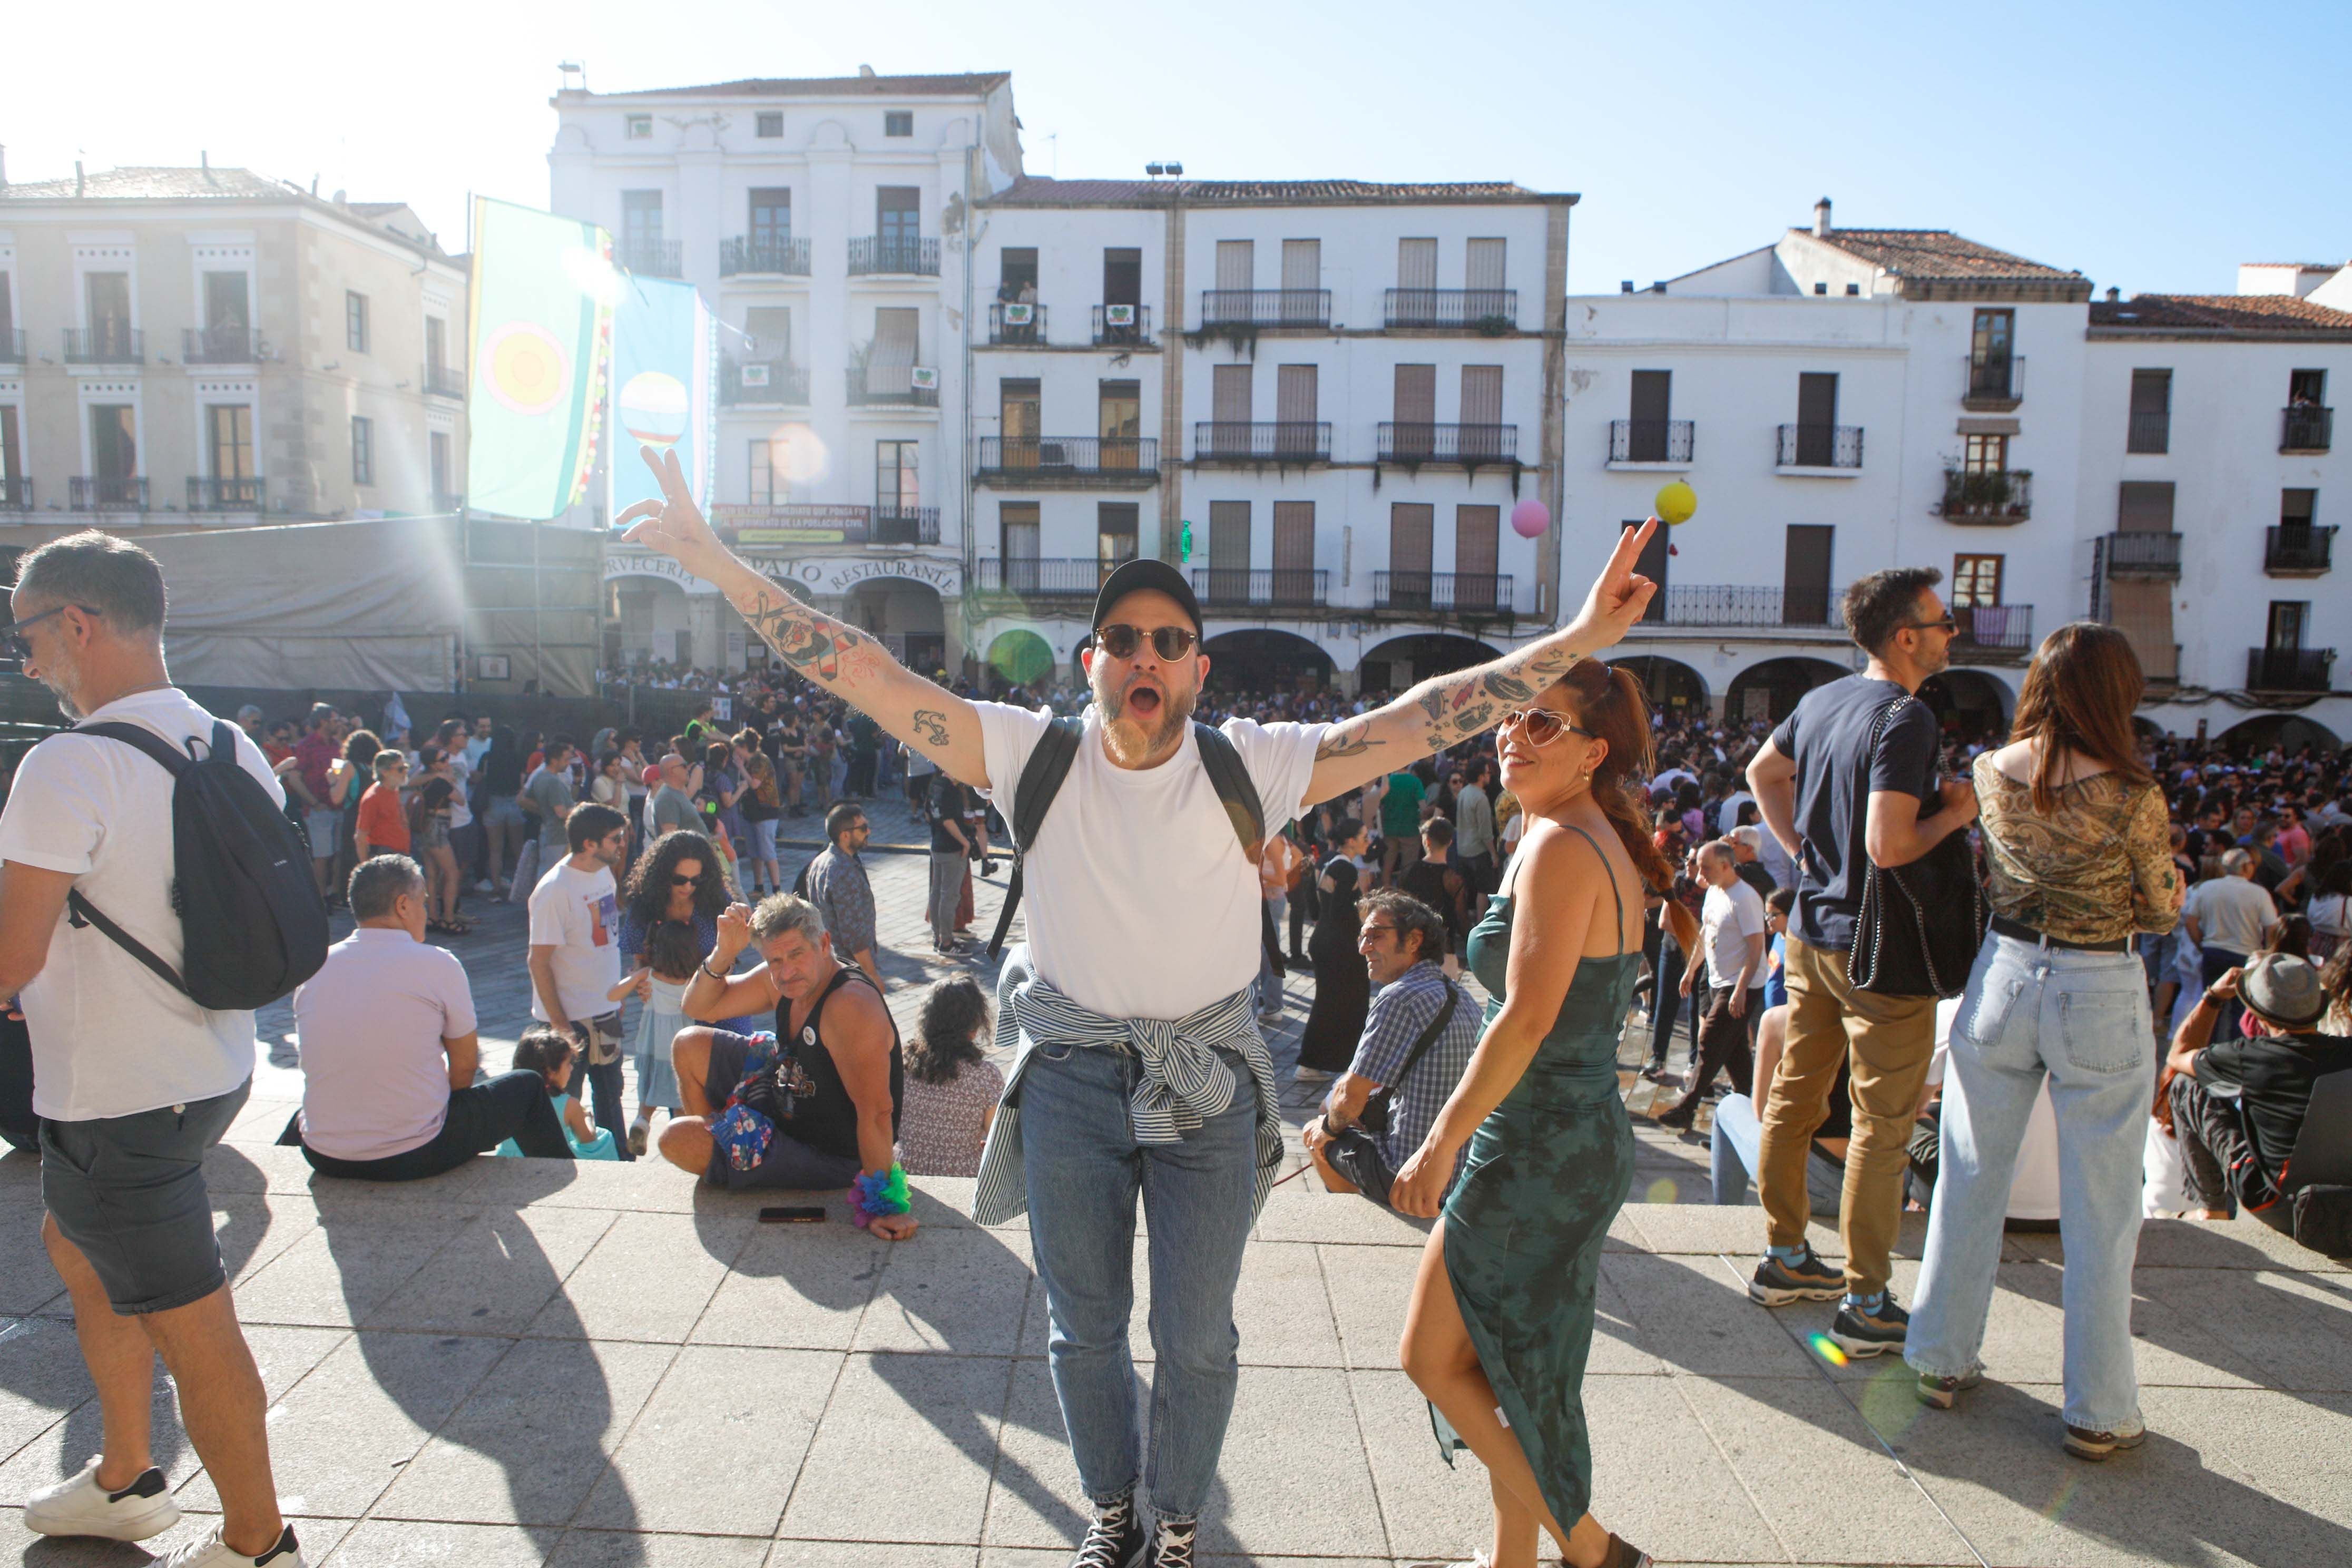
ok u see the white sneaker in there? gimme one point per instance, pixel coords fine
(484, 886)
(79, 1506)
(210, 1551)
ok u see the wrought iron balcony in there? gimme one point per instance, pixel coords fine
(227, 345)
(1467, 444)
(445, 380)
(2150, 431)
(225, 495)
(1443, 592)
(12, 347)
(1036, 577)
(649, 257)
(904, 525)
(1298, 587)
(1016, 323)
(2306, 428)
(1076, 456)
(1122, 324)
(2299, 550)
(1493, 311)
(106, 492)
(2288, 668)
(916, 255)
(1992, 631)
(1278, 441)
(1266, 307)
(741, 254)
(2141, 554)
(1995, 382)
(15, 493)
(1650, 440)
(112, 343)
(1820, 447)
(1997, 495)
(1739, 605)
(762, 381)
(889, 386)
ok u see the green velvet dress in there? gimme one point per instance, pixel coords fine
(1546, 1172)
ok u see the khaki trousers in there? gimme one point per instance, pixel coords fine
(1891, 1040)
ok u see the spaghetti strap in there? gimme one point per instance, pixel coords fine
(1618, 897)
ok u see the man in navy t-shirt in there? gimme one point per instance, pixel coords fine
(1809, 783)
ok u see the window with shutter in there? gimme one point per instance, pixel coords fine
(1302, 280)
(1018, 522)
(1410, 526)
(2145, 506)
(1482, 412)
(2142, 611)
(1476, 530)
(1417, 264)
(1114, 532)
(1236, 263)
(890, 367)
(1294, 552)
(1294, 394)
(1229, 410)
(1804, 575)
(2152, 411)
(770, 330)
(1976, 581)
(1652, 564)
(1416, 412)
(1229, 547)
(1483, 265)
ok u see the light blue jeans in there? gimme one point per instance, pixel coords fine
(1270, 984)
(1085, 1170)
(2082, 1019)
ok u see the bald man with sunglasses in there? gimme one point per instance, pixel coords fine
(1141, 1072)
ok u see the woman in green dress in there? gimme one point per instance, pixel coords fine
(1501, 1318)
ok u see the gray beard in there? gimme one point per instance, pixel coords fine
(1121, 732)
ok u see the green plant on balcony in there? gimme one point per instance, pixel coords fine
(1241, 337)
(1493, 326)
(1983, 492)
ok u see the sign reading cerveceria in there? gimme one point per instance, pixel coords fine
(825, 576)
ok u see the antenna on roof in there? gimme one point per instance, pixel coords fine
(1155, 168)
(569, 69)
(1175, 170)
(865, 71)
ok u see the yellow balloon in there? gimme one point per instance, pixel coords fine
(1676, 502)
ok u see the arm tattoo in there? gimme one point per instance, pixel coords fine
(932, 726)
(1460, 705)
(804, 637)
(1347, 740)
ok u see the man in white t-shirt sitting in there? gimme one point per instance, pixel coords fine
(389, 1050)
(1732, 919)
(576, 912)
(133, 1082)
(1141, 1073)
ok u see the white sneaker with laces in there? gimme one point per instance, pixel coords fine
(210, 1551)
(79, 1506)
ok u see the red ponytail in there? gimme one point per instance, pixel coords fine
(1609, 703)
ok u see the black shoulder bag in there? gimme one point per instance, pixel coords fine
(1920, 924)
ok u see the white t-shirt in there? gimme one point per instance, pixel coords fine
(1139, 900)
(1727, 816)
(578, 914)
(1729, 916)
(109, 1038)
(461, 815)
(375, 1076)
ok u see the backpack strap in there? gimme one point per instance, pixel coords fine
(1041, 780)
(1235, 789)
(80, 911)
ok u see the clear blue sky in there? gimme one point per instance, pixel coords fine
(2153, 147)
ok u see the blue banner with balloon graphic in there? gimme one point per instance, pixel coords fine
(665, 388)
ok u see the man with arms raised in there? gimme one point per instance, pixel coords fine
(1141, 1068)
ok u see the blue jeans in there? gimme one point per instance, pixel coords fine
(1270, 984)
(1085, 1169)
(2082, 1019)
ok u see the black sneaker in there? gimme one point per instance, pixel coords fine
(1116, 1537)
(1803, 1278)
(1172, 1546)
(1882, 1328)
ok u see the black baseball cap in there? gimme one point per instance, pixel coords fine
(1147, 572)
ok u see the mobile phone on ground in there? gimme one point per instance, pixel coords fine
(813, 1214)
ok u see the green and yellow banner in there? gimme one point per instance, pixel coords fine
(542, 294)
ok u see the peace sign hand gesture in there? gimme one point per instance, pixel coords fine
(674, 524)
(1618, 595)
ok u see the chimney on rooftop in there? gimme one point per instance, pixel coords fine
(2114, 295)
(77, 181)
(1822, 218)
(865, 71)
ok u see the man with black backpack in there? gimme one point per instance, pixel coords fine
(1142, 1074)
(142, 1030)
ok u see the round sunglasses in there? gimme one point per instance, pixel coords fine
(1121, 641)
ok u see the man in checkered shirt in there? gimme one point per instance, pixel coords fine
(1402, 940)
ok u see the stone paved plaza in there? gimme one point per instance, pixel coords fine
(525, 1364)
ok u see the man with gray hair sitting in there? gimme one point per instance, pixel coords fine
(386, 1028)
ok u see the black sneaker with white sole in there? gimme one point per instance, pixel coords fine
(1870, 1332)
(1803, 1278)
(1115, 1539)
(1172, 1545)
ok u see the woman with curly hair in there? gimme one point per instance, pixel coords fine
(677, 880)
(952, 1087)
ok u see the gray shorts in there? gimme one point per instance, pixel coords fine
(325, 827)
(128, 1191)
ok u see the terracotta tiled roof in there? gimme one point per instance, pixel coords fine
(155, 183)
(2221, 313)
(1937, 253)
(1036, 190)
(970, 84)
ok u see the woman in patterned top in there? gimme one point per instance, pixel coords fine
(2075, 831)
(951, 1088)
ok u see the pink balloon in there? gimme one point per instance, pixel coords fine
(1530, 518)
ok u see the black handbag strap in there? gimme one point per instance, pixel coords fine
(1427, 1037)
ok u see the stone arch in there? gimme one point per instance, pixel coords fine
(1400, 662)
(1021, 657)
(1260, 659)
(1768, 690)
(1673, 688)
(1968, 703)
(651, 619)
(2290, 732)
(906, 616)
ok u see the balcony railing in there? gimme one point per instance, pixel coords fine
(2149, 431)
(12, 347)
(110, 344)
(1471, 444)
(2299, 550)
(1121, 457)
(1650, 440)
(649, 257)
(873, 252)
(1133, 324)
(1992, 381)
(1992, 629)
(1266, 307)
(15, 493)
(225, 495)
(2307, 429)
(904, 525)
(1039, 577)
(1280, 441)
(888, 387)
(1478, 310)
(1737, 604)
(1443, 592)
(1997, 495)
(1299, 587)
(106, 492)
(221, 345)
(2288, 668)
(2136, 553)
(762, 381)
(445, 380)
(741, 254)
(1820, 447)
(1016, 323)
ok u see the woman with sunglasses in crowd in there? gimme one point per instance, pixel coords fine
(679, 878)
(1500, 1323)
